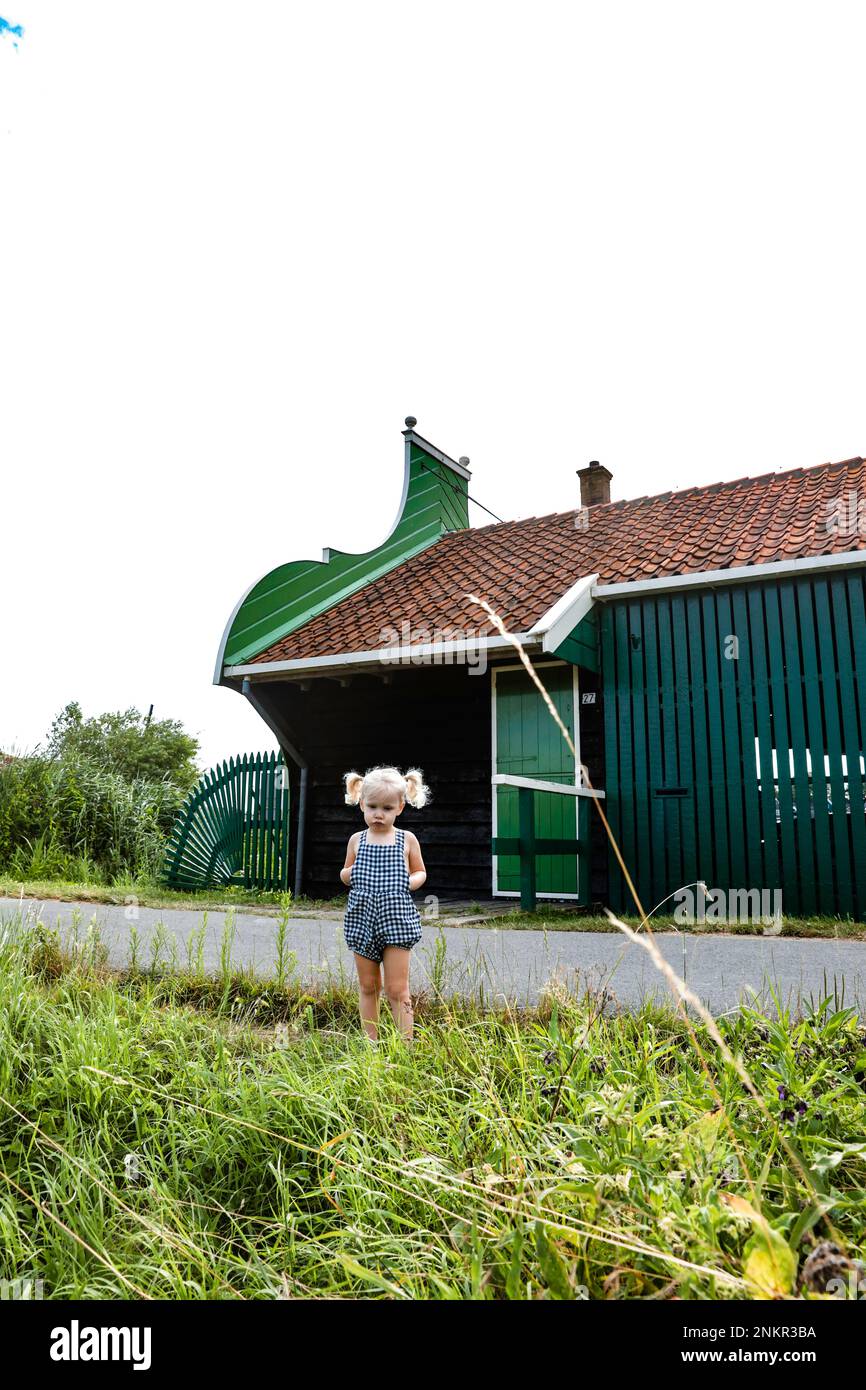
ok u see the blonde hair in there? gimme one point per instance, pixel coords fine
(409, 786)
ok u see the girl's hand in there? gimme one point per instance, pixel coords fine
(417, 871)
(351, 855)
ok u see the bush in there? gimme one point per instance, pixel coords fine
(70, 818)
(126, 742)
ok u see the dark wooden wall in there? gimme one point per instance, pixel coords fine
(433, 717)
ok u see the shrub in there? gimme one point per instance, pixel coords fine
(70, 818)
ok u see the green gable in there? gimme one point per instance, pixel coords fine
(435, 500)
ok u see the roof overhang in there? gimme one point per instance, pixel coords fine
(548, 632)
(383, 659)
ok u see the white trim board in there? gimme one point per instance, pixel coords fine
(507, 779)
(384, 658)
(564, 615)
(736, 574)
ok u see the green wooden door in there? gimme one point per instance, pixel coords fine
(529, 744)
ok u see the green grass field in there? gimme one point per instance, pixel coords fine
(176, 1136)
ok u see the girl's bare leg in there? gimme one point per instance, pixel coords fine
(370, 987)
(396, 965)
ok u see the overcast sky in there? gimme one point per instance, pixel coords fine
(240, 242)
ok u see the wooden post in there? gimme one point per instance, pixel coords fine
(526, 831)
(583, 851)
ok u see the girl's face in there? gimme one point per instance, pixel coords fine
(382, 807)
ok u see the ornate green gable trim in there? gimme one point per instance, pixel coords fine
(435, 500)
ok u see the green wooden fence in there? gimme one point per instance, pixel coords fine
(735, 725)
(234, 827)
(525, 846)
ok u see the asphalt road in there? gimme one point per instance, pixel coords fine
(491, 963)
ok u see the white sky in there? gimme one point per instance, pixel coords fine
(240, 242)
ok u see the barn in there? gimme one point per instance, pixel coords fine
(705, 648)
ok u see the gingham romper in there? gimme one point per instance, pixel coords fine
(380, 911)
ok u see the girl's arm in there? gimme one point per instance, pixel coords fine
(417, 872)
(351, 854)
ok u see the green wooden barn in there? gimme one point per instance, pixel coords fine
(706, 648)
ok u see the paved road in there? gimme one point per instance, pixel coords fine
(493, 963)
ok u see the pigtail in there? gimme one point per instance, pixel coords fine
(354, 782)
(417, 794)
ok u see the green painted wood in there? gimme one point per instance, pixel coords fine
(687, 712)
(797, 728)
(704, 839)
(584, 859)
(233, 826)
(529, 744)
(718, 790)
(627, 785)
(637, 653)
(792, 899)
(671, 846)
(830, 702)
(610, 704)
(581, 646)
(851, 739)
(815, 708)
(854, 593)
(734, 770)
(754, 603)
(511, 844)
(682, 706)
(658, 868)
(289, 596)
(746, 708)
(526, 823)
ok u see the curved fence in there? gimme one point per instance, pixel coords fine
(233, 827)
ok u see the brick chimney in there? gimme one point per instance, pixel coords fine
(594, 484)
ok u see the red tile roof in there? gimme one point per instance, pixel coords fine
(523, 567)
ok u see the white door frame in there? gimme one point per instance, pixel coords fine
(519, 666)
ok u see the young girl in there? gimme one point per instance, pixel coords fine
(383, 869)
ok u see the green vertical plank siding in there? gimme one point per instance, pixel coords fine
(792, 895)
(797, 729)
(718, 794)
(670, 856)
(682, 708)
(610, 704)
(703, 823)
(732, 740)
(830, 698)
(656, 874)
(746, 709)
(643, 845)
(628, 784)
(771, 873)
(706, 727)
(812, 694)
(851, 739)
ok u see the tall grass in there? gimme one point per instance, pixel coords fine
(67, 818)
(168, 1135)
